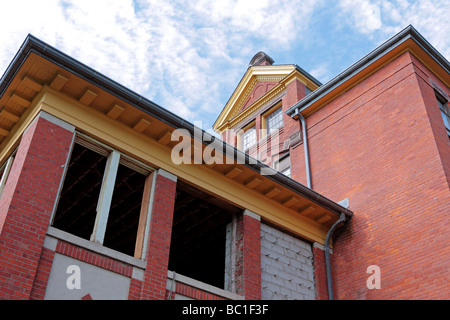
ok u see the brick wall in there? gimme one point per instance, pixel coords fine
(27, 203)
(83, 255)
(251, 258)
(158, 248)
(320, 272)
(377, 145)
(243, 256)
(191, 292)
(424, 80)
(42, 274)
(287, 271)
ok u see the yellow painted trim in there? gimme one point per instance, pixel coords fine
(13, 138)
(235, 118)
(150, 152)
(246, 84)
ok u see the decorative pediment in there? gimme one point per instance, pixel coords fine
(256, 83)
(258, 86)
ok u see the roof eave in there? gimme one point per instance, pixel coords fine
(408, 33)
(32, 44)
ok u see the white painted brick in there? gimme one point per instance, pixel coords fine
(295, 247)
(279, 296)
(307, 268)
(286, 266)
(288, 237)
(268, 237)
(300, 258)
(266, 294)
(273, 287)
(282, 243)
(277, 248)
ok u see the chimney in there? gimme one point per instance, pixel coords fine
(261, 59)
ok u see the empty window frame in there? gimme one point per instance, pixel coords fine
(198, 241)
(104, 197)
(445, 112)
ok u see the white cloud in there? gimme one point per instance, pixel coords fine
(429, 17)
(189, 56)
(365, 15)
(380, 19)
(322, 73)
(171, 52)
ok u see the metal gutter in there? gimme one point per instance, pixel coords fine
(407, 33)
(309, 76)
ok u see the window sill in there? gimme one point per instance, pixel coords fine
(95, 247)
(201, 286)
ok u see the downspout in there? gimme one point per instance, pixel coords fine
(327, 256)
(305, 144)
(335, 225)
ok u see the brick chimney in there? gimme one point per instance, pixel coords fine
(261, 59)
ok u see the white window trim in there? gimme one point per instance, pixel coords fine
(105, 197)
(5, 175)
(272, 114)
(244, 135)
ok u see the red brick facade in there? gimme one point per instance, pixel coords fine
(27, 203)
(155, 275)
(191, 292)
(42, 274)
(248, 264)
(383, 146)
(25, 274)
(320, 276)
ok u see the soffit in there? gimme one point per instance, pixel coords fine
(38, 76)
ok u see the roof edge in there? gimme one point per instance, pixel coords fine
(34, 45)
(407, 33)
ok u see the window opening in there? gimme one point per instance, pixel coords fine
(274, 121)
(284, 165)
(123, 219)
(307, 90)
(104, 198)
(4, 172)
(198, 242)
(76, 209)
(249, 138)
(445, 113)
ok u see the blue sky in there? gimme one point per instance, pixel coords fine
(188, 56)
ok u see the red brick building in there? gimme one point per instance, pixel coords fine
(378, 135)
(106, 195)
